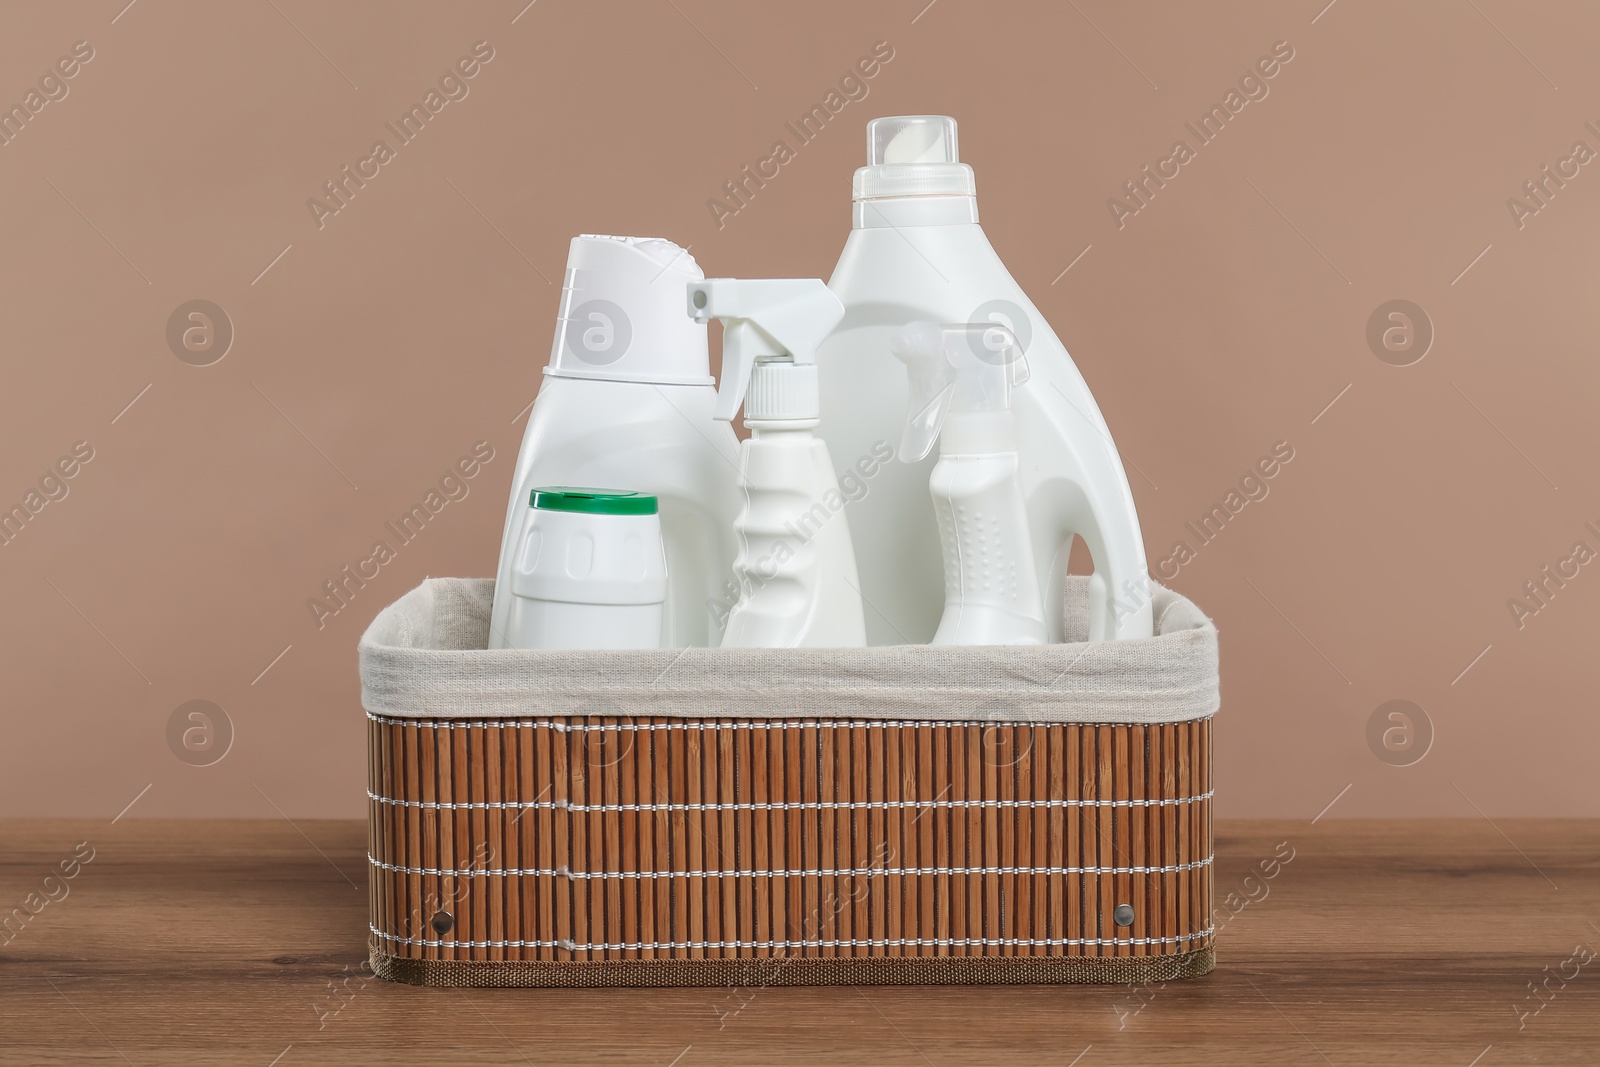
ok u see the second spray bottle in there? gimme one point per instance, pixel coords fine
(796, 567)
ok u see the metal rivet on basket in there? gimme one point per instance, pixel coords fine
(443, 922)
(1123, 916)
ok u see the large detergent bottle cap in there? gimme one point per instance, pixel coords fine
(771, 328)
(961, 376)
(913, 155)
(622, 314)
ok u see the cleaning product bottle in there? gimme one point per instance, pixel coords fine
(795, 569)
(590, 571)
(960, 392)
(917, 253)
(627, 400)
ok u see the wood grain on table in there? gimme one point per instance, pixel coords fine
(1404, 942)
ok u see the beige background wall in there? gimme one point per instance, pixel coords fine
(374, 350)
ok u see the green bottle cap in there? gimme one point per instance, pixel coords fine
(593, 501)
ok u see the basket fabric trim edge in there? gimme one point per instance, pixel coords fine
(424, 656)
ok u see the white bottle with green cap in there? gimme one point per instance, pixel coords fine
(627, 400)
(796, 567)
(589, 571)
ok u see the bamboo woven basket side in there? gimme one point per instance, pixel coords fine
(637, 851)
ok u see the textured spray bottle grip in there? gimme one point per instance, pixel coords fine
(991, 588)
(776, 563)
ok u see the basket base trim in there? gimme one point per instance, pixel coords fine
(798, 971)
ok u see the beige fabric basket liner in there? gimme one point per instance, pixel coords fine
(424, 656)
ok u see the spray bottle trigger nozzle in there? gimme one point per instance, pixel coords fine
(995, 344)
(764, 319)
(965, 368)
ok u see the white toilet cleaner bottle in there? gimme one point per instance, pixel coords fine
(795, 570)
(917, 253)
(627, 401)
(960, 394)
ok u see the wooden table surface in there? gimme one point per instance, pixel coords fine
(243, 942)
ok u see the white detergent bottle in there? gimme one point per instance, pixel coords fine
(916, 253)
(627, 401)
(960, 394)
(795, 570)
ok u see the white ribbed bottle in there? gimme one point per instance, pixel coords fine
(796, 566)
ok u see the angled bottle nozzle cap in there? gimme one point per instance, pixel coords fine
(620, 316)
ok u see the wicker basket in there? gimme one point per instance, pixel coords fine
(539, 848)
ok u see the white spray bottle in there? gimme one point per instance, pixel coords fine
(916, 253)
(795, 568)
(960, 388)
(627, 402)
